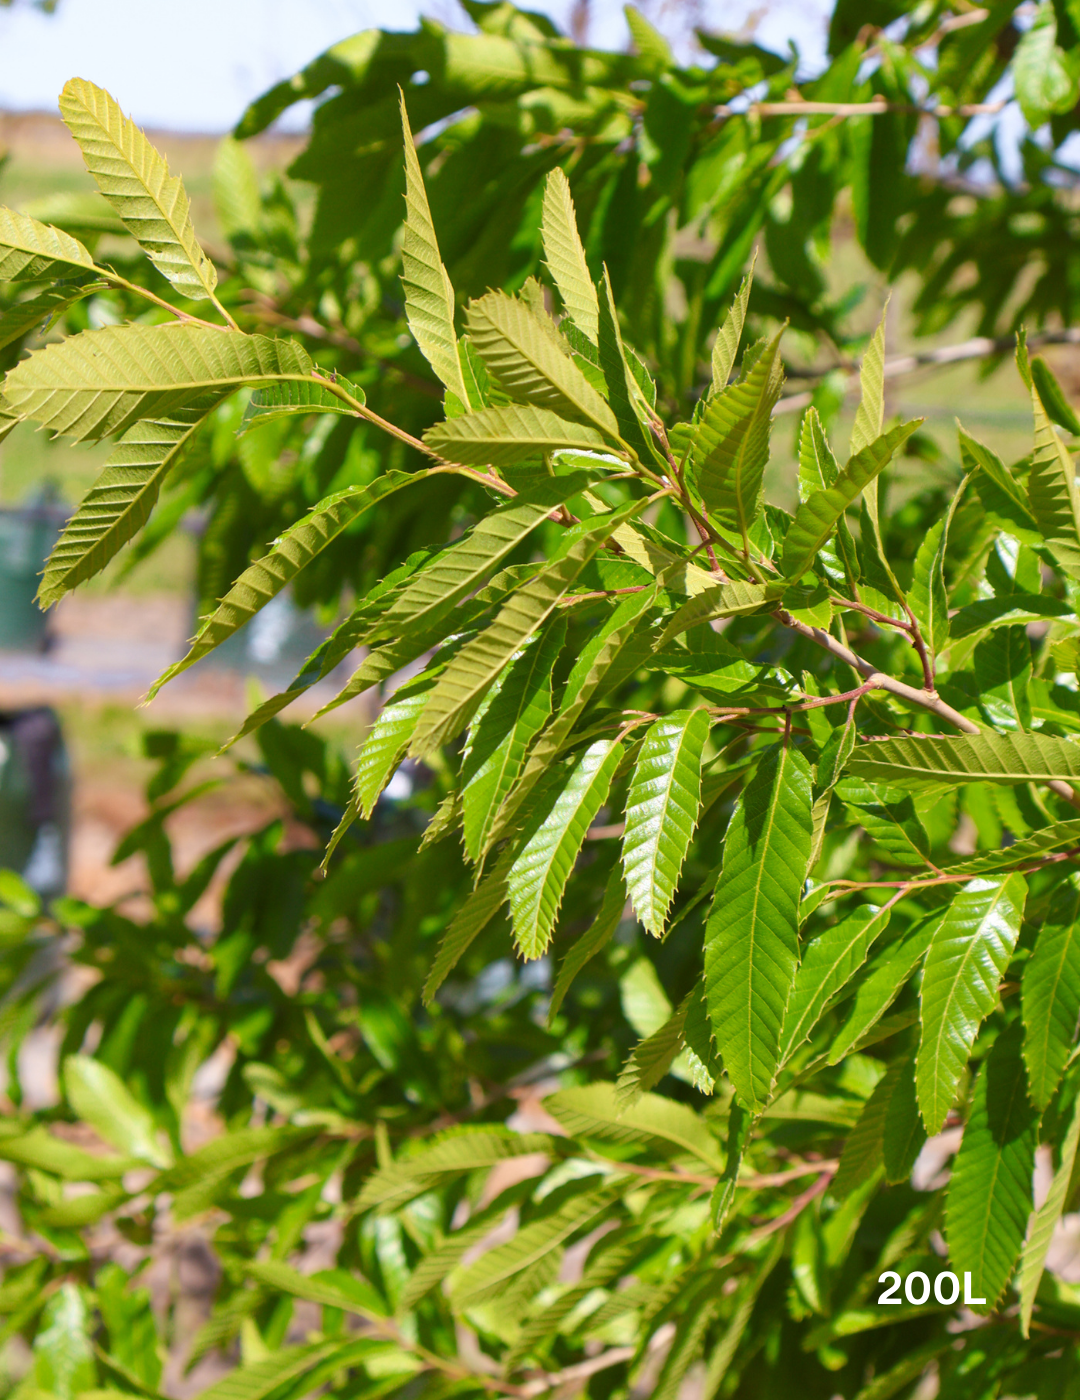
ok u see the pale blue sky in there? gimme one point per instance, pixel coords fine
(195, 64)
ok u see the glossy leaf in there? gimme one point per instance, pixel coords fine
(550, 845)
(1051, 994)
(731, 444)
(1052, 490)
(1043, 1222)
(119, 503)
(964, 966)
(828, 964)
(817, 517)
(989, 1196)
(31, 251)
(978, 758)
(726, 345)
(592, 940)
(881, 985)
(751, 939)
(661, 812)
(100, 1097)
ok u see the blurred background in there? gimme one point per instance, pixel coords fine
(72, 777)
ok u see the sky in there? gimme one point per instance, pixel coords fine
(193, 65)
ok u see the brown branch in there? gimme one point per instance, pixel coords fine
(877, 107)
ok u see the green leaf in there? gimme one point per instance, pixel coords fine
(231, 1150)
(653, 1056)
(551, 843)
(25, 317)
(622, 391)
(100, 1097)
(607, 1262)
(976, 758)
(817, 517)
(1042, 1224)
(881, 985)
(724, 1352)
(512, 433)
(661, 812)
(1008, 610)
(1051, 838)
(964, 966)
(259, 1379)
(529, 358)
(928, 599)
(818, 469)
(31, 251)
(135, 179)
(385, 747)
(461, 1149)
(1051, 994)
(119, 503)
(358, 1298)
(38, 1148)
(429, 297)
(888, 1128)
(1045, 77)
(518, 708)
(734, 599)
(459, 570)
(291, 552)
(752, 934)
(828, 964)
(468, 923)
(989, 1195)
(296, 397)
(1002, 495)
(1002, 666)
(591, 942)
(463, 684)
(99, 383)
(870, 415)
(484, 1279)
(612, 651)
(1052, 490)
(661, 1124)
(1052, 396)
(726, 345)
(565, 256)
(730, 447)
(237, 202)
(63, 1364)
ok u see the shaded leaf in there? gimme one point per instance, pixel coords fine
(1051, 994)
(989, 1195)
(1043, 1222)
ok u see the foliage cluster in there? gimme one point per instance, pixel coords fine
(788, 794)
